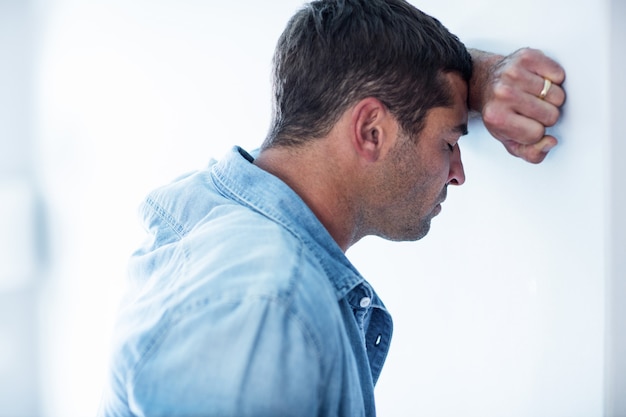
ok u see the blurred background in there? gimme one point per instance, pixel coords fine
(512, 306)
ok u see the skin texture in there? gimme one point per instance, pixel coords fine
(367, 177)
(417, 171)
(505, 91)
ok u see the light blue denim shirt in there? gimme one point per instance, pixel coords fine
(241, 304)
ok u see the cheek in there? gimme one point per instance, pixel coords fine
(438, 168)
(442, 170)
(420, 181)
(435, 183)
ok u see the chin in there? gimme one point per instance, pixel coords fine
(410, 234)
(422, 233)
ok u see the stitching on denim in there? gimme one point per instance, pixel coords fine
(178, 228)
(172, 317)
(225, 190)
(175, 317)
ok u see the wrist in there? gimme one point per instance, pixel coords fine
(484, 65)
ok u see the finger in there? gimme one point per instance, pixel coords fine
(530, 82)
(555, 95)
(507, 124)
(534, 153)
(542, 65)
(539, 110)
(519, 92)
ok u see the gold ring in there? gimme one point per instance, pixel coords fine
(546, 87)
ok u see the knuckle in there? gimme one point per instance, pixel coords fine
(559, 74)
(493, 115)
(560, 97)
(536, 132)
(527, 54)
(552, 117)
(513, 73)
(504, 91)
(531, 133)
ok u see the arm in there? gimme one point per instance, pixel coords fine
(505, 91)
(229, 357)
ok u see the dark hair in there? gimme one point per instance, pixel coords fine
(334, 53)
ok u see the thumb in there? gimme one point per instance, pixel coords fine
(533, 153)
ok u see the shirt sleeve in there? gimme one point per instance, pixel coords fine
(252, 357)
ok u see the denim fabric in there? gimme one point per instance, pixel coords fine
(241, 304)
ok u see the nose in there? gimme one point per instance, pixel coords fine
(456, 176)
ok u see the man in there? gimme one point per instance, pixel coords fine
(242, 302)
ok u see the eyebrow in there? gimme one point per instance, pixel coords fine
(461, 129)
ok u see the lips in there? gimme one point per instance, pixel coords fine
(438, 208)
(444, 194)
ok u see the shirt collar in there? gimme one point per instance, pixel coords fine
(239, 179)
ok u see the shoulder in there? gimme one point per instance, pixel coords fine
(236, 248)
(237, 255)
(245, 294)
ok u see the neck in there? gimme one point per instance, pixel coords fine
(317, 175)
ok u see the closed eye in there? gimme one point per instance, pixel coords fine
(460, 130)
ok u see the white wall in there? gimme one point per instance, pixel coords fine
(19, 257)
(131, 94)
(616, 288)
(500, 311)
(504, 314)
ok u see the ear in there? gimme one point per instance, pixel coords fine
(373, 128)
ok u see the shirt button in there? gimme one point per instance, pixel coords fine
(365, 302)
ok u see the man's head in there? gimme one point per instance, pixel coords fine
(409, 183)
(334, 53)
(370, 100)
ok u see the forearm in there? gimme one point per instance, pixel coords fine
(484, 64)
(508, 93)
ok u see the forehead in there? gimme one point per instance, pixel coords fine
(458, 89)
(453, 119)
